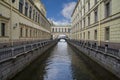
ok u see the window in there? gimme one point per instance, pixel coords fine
(69, 30)
(84, 2)
(107, 33)
(107, 9)
(52, 29)
(95, 34)
(96, 15)
(21, 6)
(40, 19)
(84, 35)
(84, 22)
(21, 32)
(81, 24)
(88, 5)
(26, 9)
(26, 32)
(84, 10)
(33, 14)
(65, 29)
(59, 29)
(35, 33)
(2, 29)
(62, 29)
(88, 19)
(30, 12)
(30, 33)
(88, 34)
(36, 17)
(80, 35)
(95, 1)
(56, 30)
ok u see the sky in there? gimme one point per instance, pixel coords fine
(59, 11)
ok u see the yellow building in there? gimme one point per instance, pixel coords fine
(22, 21)
(97, 22)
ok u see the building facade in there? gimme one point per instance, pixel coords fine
(97, 22)
(23, 21)
(56, 31)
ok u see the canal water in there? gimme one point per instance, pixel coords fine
(63, 62)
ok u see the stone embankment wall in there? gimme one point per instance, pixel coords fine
(15, 59)
(108, 58)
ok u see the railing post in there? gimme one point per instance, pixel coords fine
(105, 49)
(12, 51)
(119, 53)
(24, 48)
(91, 46)
(96, 48)
(31, 46)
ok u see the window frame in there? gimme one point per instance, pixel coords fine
(107, 12)
(107, 33)
(26, 8)
(96, 14)
(88, 5)
(88, 34)
(88, 19)
(95, 1)
(95, 34)
(21, 32)
(3, 30)
(30, 12)
(21, 3)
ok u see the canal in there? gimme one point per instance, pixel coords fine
(63, 62)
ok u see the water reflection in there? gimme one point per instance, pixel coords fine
(62, 63)
(62, 40)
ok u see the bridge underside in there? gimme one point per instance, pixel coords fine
(60, 35)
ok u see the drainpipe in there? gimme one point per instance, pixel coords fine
(11, 41)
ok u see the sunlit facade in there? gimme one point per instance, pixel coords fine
(23, 20)
(97, 22)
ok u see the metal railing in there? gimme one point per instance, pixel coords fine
(108, 51)
(8, 53)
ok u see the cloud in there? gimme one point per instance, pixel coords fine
(66, 13)
(68, 9)
(59, 22)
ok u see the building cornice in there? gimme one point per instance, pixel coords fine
(75, 7)
(39, 10)
(1, 16)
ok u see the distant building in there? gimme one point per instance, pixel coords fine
(60, 30)
(23, 21)
(97, 22)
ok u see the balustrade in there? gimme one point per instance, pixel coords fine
(7, 53)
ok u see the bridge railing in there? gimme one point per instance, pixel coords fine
(8, 53)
